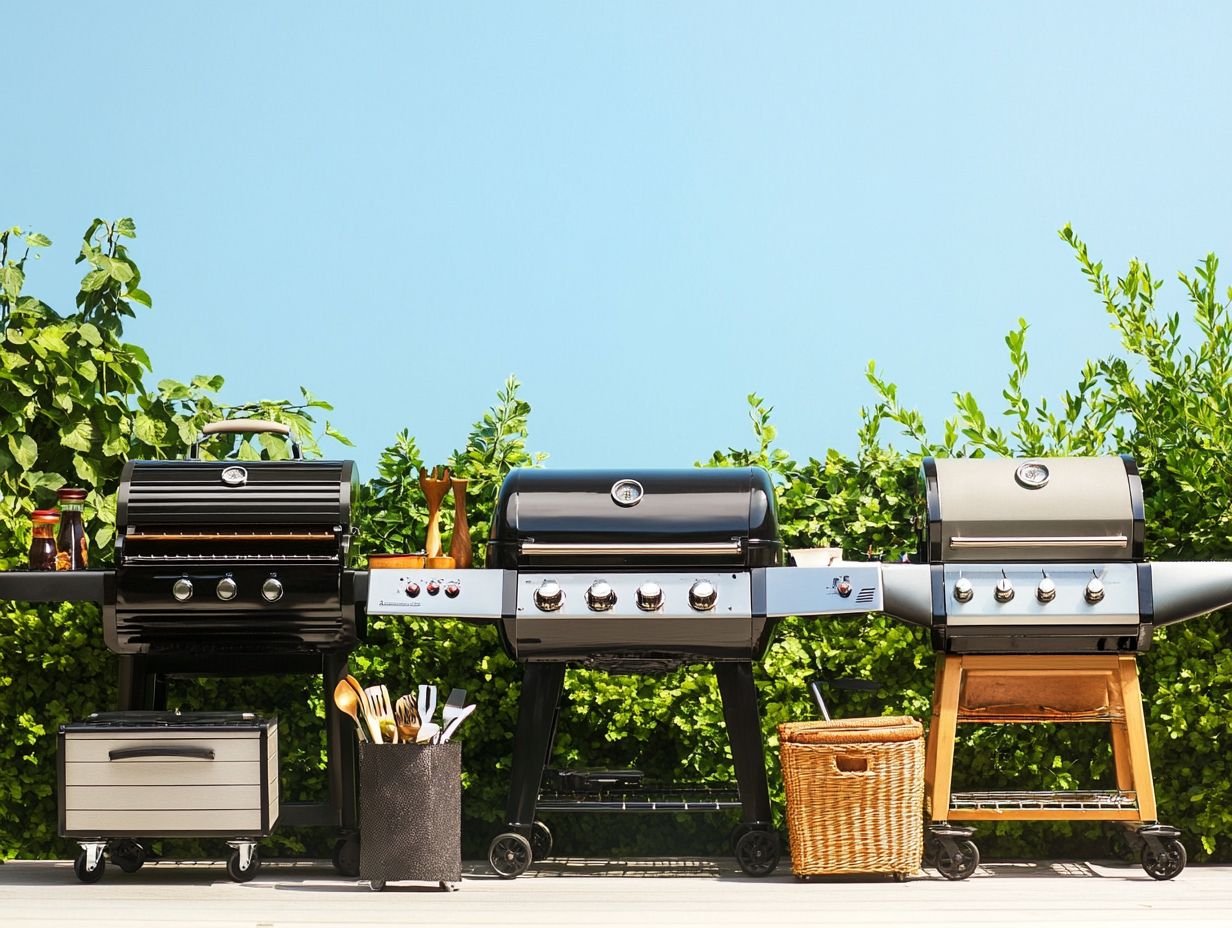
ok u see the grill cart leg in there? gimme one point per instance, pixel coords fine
(339, 745)
(510, 853)
(757, 845)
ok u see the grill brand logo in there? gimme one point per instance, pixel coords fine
(627, 492)
(234, 476)
(1032, 475)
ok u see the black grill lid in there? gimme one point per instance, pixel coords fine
(215, 493)
(635, 517)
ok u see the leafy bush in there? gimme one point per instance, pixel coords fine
(1163, 402)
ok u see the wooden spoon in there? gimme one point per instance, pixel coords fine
(346, 700)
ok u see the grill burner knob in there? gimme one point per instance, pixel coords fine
(412, 589)
(844, 588)
(1046, 592)
(649, 596)
(226, 589)
(1004, 591)
(703, 595)
(433, 587)
(271, 590)
(549, 597)
(600, 597)
(452, 590)
(1094, 591)
(964, 591)
(182, 589)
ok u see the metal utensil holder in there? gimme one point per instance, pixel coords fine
(410, 813)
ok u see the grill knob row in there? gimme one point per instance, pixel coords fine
(600, 597)
(226, 590)
(1046, 592)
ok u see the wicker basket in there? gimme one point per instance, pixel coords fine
(855, 795)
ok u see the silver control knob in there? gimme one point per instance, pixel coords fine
(271, 590)
(1094, 591)
(703, 596)
(649, 596)
(182, 589)
(1046, 592)
(226, 589)
(964, 590)
(600, 597)
(1004, 591)
(549, 597)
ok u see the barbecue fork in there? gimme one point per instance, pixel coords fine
(406, 715)
(434, 489)
(383, 712)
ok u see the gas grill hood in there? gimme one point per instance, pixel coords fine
(632, 517)
(984, 510)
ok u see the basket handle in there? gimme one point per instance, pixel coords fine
(857, 765)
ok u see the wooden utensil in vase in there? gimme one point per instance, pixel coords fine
(434, 490)
(460, 546)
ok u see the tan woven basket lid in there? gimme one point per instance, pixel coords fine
(852, 731)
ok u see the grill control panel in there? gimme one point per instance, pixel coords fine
(1051, 594)
(463, 594)
(841, 588)
(581, 596)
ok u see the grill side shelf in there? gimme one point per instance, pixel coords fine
(57, 586)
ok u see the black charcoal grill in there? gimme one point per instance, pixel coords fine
(227, 568)
(635, 571)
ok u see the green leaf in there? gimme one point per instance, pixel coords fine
(247, 452)
(90, 334)
(50, 339)
(148, 429)
(37, 240)
(11, 280)
(137, 295)
(25, 451)
(38, 479)
(338, 436)
(126, 227)
(79, 437)
(93, 281)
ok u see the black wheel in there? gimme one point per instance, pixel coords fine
(128, 855)
(88, 876)
(509, 854)
(376, 885)
(1167, 863)
(961, 863)
(757, 852)
(346, 856)
(540, 841)
(239, 874)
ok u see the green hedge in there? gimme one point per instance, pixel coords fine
(54, 669)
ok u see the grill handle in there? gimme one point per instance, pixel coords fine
(130, 753)
(548, 549)
(1039, 541)
(244, 427)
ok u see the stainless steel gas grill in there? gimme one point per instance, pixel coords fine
(226, 568)
(632, 572)
(1039, 597)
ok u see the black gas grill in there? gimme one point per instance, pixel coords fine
(228, 568)
(222, 557)
(634, 571)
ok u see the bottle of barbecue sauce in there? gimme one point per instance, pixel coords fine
(71, 543)
(43, 540)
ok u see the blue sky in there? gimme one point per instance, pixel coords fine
(644, 210)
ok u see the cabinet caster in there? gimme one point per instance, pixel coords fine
(757, 852)
(510, 854)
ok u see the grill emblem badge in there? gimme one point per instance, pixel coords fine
(1032, 475)
(627, 492)
(234, 476)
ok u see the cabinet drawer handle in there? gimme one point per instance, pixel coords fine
(129, 753)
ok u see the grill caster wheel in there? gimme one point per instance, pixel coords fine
(510, 854)
(128, 855)
(346, 856)
(238, 872)
(540, 841)
(85, 872)
(1165, 863)
(959, 863)
(757, 852)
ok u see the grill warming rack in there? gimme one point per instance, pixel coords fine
(651, 797)
(1046, 800)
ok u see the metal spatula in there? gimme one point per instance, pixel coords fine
(453, 706)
